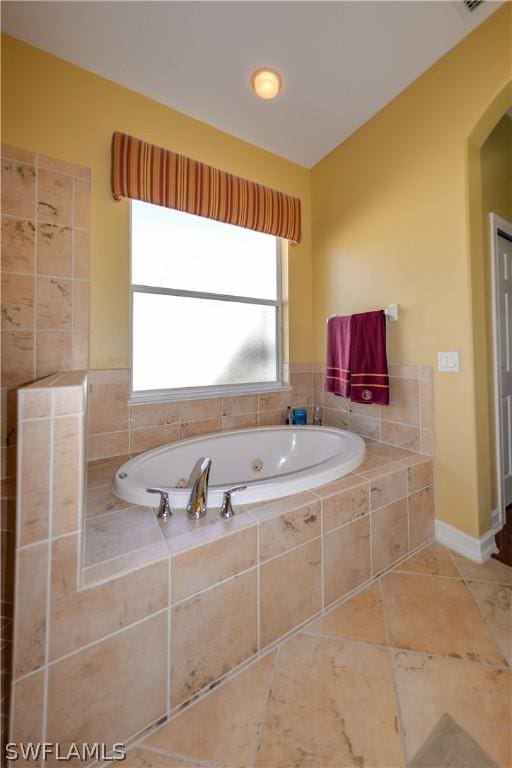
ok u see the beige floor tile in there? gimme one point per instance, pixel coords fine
(495, 602)
(145, 758)
(478, 698)
(360, 618)
(332, 703)
(212, 633)
(438, 616)
(492, 570)
(433, 559)
(223, 727)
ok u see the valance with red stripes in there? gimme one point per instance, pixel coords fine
(142, 171)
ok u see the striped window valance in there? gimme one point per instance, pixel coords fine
(142, 171)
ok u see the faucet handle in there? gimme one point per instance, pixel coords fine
(226, 510)
(164, 508)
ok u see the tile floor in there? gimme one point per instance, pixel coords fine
(365, 684)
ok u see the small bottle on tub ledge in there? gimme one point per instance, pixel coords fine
(317, 421)
(299, 416)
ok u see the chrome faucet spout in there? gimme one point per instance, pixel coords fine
(199, 478)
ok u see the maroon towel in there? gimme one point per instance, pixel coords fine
(356, 358)
(337, 374)
(368, 360)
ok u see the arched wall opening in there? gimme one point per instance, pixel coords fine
(483, 358)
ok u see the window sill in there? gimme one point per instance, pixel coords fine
(168, 396)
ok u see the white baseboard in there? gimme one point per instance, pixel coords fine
(477, 550)
(496, 523)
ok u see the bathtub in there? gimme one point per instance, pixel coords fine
(272, 462)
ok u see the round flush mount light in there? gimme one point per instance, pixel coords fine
(266, 83)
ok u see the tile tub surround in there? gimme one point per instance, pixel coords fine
(270, 569)
(117, 428)
(164, 622)
(71, 645)
(408, 421)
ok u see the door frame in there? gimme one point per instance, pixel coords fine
(497, 226)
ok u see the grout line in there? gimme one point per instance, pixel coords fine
(258, 588)
(36, 238)
(169, 654)
(370, 521)
(322, 561)
(56, 417)
(49, 574)
(391, 662)
(263, 717)
(246, 664)
(217, 584)
(396, 649)
(485, 622)
(91, 581)
(116, 632)
(187, 760)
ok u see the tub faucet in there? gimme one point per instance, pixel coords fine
(196, 507)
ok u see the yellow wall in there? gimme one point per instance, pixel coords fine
(496, 174)
(52, 107)
(391, 223)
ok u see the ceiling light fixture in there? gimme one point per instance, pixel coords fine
(266, 83)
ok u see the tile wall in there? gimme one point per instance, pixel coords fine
(116, 428)
(408, 421)
(44, 309)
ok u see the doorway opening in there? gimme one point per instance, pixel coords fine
(501, 252)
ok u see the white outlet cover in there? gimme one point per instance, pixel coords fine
(448, 362)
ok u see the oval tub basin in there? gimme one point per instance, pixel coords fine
(272, 461)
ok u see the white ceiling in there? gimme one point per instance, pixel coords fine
(341, 61)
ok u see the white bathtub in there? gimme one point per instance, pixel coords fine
(293, 459)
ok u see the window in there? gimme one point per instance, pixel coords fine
(206, 305)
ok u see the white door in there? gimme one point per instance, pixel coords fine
(503, 272)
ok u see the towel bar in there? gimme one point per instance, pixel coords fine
(391, 312)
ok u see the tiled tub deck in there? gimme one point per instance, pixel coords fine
(269, 569)
(159, 614)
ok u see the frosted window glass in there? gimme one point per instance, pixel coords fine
(190, 342)
(171, 249)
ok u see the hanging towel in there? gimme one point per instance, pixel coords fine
(337, 374)
(369, 381)
(357, 365)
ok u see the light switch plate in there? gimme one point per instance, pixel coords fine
(448, 362)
